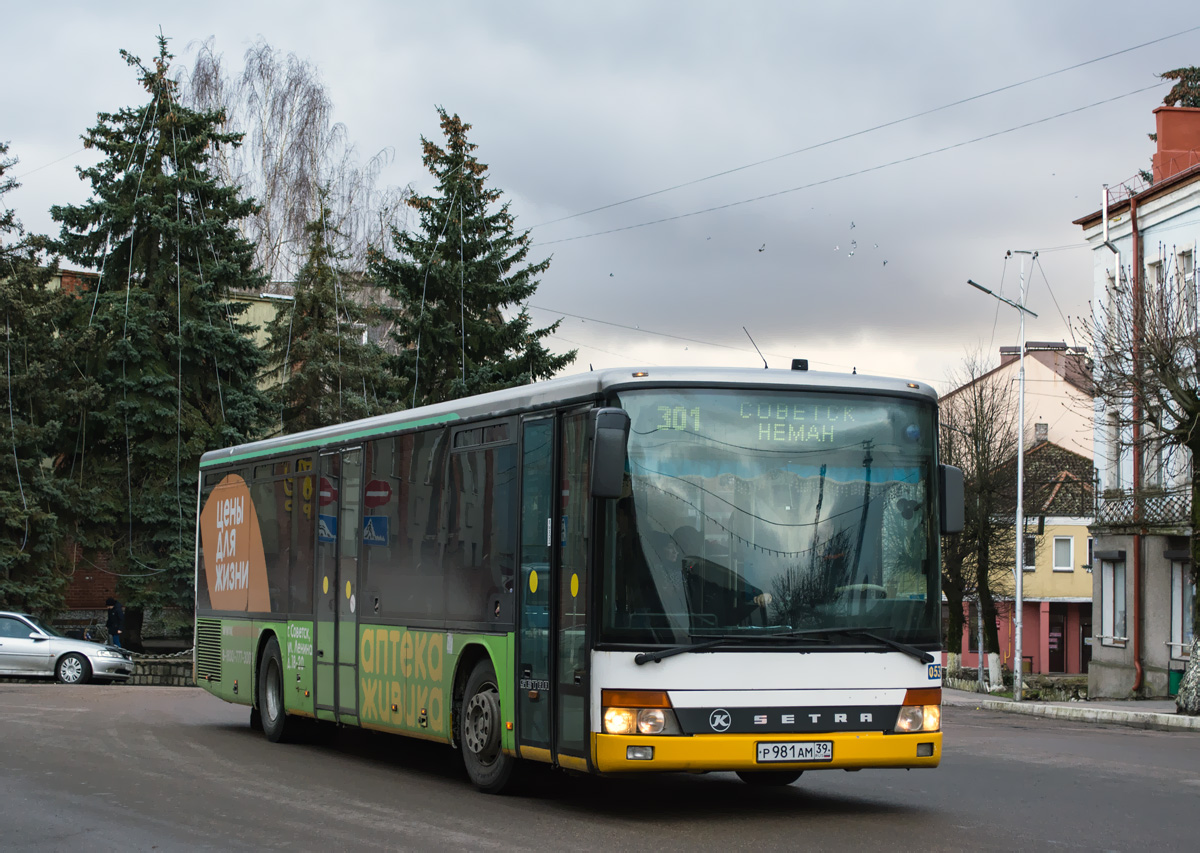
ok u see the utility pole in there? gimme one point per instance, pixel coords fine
(1019, 569)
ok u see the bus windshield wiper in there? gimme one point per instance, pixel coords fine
(654, 657)
(867, 634)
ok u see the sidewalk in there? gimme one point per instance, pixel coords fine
(1143, 714)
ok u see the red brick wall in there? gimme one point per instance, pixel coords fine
(90, 586)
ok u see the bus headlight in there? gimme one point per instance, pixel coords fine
(919, 718)
(620, 721)
(651, 721)
(638, 712)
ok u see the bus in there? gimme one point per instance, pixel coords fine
(623, 571)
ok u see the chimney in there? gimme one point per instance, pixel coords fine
(1178, 141)
(1041, 432)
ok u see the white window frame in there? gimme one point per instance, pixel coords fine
(1070, 564)
(1113, 621)
(1182, 592)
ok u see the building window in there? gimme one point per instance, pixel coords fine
(1113, 449)
(1030, 552)
(1112, 604)
(1183, 592)
(1088, 565)
(1064, 554)
(1185, 265)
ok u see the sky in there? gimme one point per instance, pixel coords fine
(703, 172)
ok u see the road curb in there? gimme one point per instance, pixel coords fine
(1136, 719)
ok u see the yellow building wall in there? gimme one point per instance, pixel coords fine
(1046, 581)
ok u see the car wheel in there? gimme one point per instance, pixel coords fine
(276, 724)
(481, 724)
(73, 669)
(769, 778)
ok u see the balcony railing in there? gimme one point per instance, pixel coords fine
(1149, 507)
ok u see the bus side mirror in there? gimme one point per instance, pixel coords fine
(610, 433)
(951, 486)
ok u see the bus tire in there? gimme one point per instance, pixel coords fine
(769, 778)
(276, 724)
(482, 728)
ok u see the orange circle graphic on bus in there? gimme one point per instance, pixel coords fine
(235, 567)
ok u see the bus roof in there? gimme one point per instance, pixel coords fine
(565, 390)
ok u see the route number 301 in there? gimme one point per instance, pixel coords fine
(680, 418)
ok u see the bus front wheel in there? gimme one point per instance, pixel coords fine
(482, 724)
(276, 724)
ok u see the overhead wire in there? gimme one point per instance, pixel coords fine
(13, 425)
(996, 315)
(871, 129)
(1038, 263)
(856, 173)
(125, 331)
(666, 334)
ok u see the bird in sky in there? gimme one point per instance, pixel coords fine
(762, 247)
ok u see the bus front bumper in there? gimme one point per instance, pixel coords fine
(697, 753)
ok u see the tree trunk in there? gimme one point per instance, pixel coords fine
(954, 624)
(1188, 698)
(991, 635)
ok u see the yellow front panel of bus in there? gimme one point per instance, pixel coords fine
(851, 751)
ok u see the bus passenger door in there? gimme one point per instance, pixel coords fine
(535, 693)
(338, 538)
(572, 740)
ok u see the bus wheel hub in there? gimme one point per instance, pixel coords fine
(481, 729)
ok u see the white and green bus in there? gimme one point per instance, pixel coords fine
(616, 572)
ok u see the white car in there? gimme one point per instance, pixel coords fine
(30, 648)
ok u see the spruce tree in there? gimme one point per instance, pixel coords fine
(39, 388)
(320, 368)
(166, 342)
(455, 277)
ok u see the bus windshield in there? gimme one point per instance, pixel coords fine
(770, 512)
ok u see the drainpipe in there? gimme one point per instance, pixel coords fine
(1139, 673)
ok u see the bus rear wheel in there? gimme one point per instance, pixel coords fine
(769, 778)
(482, 723)
(276, 724)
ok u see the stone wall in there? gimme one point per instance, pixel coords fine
(163, 672)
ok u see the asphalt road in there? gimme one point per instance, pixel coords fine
(98, 768)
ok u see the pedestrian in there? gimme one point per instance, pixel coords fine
(116, 621)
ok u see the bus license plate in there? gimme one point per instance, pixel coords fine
(817, 750)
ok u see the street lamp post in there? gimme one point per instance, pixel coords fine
(1018, 602)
